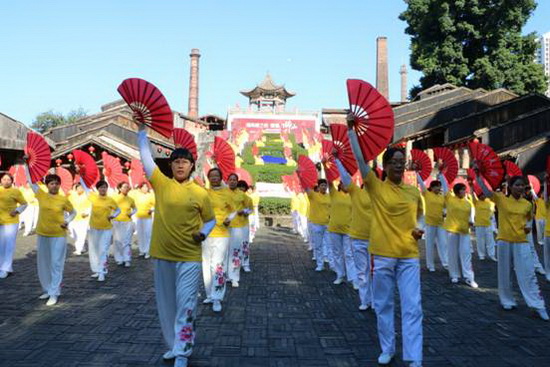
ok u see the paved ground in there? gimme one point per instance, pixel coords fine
(284, 314)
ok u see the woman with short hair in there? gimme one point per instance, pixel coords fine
(145, 204)
(123, 227)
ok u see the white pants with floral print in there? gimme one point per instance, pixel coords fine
(238, 244)
(214, 272)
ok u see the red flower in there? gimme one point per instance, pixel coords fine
(186, 334)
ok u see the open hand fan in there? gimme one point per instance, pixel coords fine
(340, 142)
(244, 175)
(307, 173)
(137, 175)
(18, 173)
(477, 189)
(488, 163)
(224, 157)
(374, 122)
(87, 168)
(448, 164)
(534, 183)
(66, 179)
(112, 170)
(329, 162)
(38, 156)
(421, 163)
(148, 104)
(184, 139)
(512, 169)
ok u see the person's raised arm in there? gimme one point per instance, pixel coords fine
(33, 186)
(344, 175)
(486, 191)
(356, 148)
(444, 183)
(421, 183)
(85, 187)
(145, 151)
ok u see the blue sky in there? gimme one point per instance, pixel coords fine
(63, 55)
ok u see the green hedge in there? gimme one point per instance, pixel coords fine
(274, 206)
(270, 173)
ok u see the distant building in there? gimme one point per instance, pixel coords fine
(543, 56)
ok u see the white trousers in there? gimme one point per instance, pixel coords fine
(99, 241)
(144, 228)
(363, 267)
(78, 229)
(8, 235)
(317, 236)
(459, 250)
(214, 261)
(304, 227)
(387, 272)
(541, 227)
(295, 221)
(546, 249)
(535, 255)
(237, 242)
(176, 288)
(122, 239)
(436, 235)
(485, 242)
(342, 252)
(520, 254)
(28, 218)
(50, 260)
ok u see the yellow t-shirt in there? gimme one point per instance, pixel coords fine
(540, 212)
(512, 217)
(126, 204)
(361, 212)
(241, 201)
(255, 199)
(434, 204)
(223, 205)
(395, 209)
(51, 214)
(102, 208)
(180, 210)
(459, 212)
(547, 228)
(81, 204)
(144, 204)
(302, 204)
(484, 211)
(9, 198)
(294, 204)
(340, 212)
(319, 207)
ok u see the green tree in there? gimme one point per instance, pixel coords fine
(474, 43)
(49, 119)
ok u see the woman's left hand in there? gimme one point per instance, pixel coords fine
(417, 233)
(65, 225)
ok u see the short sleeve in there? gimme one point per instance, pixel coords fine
(20, 198)
(157, 178)
(497, 198)
(372, 183)
(207, 213)
(39, 195)
(248, 203)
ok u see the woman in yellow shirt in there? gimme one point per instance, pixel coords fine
(183, 220)
(29, 217)
(216, 246)
(145, 203)
(255, 216)
(515, 216)
(319, 209)
(397, 210)
(10, 198)
(243, 186)
(123, 227)
(485, 240)
(546, 247)
(540, 219)
(104, 210)
(51, 231)
(78, 228)
(303, 208)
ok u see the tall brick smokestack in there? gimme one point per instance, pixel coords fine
(403, 72)
(194, 84)
(382, 66)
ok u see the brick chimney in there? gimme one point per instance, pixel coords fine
(403, 72)
(194, 84)
(382, 66)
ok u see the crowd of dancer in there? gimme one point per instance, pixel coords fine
(367, 233)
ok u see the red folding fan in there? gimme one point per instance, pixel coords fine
(421, 163)
(329, 162)
(87, 168)
(244, 175)
(66, 179)
(373, 117)
(137, 175)
(477, 189)
(307, 173)
(534, 183)
(38, 156)
(18, 173)
(340, 142)
(224, 157)
(448, 165)
(184, 139)
(148, 104)
(112, 170)
(512, 169)
(488, 163)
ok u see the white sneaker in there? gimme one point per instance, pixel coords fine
(318, 268)
(94, 275)
(217, 306)
(234, 284)
(431, 270)
(146, 256)
(3, 274)
(169, 355)
(101, 278)
(508, 307)
(44, 296)
(454, 280)
(126, 264)
(355, 286)
(338, 281)
(543, 314)
(246, 269)
(364, 307)
(385, 358)
(482, 258)
(51, 301)
(207, 301)
(78, 253)
(119, 263)
(415, 364)
(310, 248)
(494, 259)
(472, 283)
(540, 271)
(180, 362)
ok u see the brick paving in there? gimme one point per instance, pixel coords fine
(283, 314)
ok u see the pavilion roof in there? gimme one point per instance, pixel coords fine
(268, 86)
